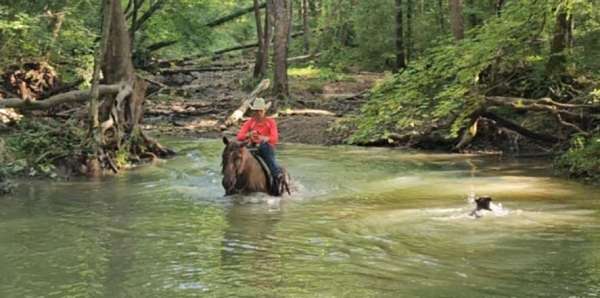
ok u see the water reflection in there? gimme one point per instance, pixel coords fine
(365, 223)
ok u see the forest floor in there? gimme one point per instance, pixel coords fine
(196, 103)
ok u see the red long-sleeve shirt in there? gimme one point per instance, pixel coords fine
(266, 128)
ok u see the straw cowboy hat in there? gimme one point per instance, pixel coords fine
(260, 104)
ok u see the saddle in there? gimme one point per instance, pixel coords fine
(270, 179)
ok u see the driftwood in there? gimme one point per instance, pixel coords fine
(68, 97)
(239, 113)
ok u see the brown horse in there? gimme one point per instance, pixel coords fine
(243, 174)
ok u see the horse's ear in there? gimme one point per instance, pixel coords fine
(225, 141)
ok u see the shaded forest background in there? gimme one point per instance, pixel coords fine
(456, 71)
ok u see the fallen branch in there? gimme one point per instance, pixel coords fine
(68, 97)
(239, 113)
(520, 129)
(548, 105)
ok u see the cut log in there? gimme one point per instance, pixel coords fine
(239, 113)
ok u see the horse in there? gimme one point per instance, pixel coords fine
(243, 174)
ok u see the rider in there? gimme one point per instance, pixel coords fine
(261, 131)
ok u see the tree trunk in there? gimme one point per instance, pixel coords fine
(281, 43)
(95, 91)
(556, 63)
(267, 35)
(258, 71)
(472, 16)
(441, 17)
(119, 116)
(305, 26)
(499, 4)
(409, 28)
(456, 19)
(400, 55)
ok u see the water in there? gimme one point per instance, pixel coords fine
(364, 223)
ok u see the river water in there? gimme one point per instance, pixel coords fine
(362, 223)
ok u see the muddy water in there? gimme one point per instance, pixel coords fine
(363, 223)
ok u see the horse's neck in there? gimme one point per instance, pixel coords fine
(252, 168)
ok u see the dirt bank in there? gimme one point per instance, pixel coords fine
(196, 104)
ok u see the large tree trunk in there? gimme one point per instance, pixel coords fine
(456, 19)
(560, 40)
(116, 122)
(400, 54)
(281, 43)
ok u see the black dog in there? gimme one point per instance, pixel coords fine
(482, 203)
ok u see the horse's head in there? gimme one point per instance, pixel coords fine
(233, 162)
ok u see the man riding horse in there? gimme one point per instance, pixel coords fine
(249, 164)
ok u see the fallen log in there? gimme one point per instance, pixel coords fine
(520, 129)
(246, 46)
(234, 15)
(306, 112)
(173, 71)
(68, 97)
(303, 58)
(239, 113)
(159, 45)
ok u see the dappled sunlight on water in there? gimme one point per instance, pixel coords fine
(364, 222)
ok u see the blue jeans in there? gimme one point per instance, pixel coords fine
(267, 152)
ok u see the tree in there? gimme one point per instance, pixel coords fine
(400, 50)
(456, 19)
(560, 39)
(305, 26)
(115, 122)
(409, 29)
(282, 16)
(260, 65)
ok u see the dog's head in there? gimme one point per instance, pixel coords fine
(483, 203)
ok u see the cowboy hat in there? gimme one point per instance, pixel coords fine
(260, 104)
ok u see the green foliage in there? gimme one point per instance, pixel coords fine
(582, 160)
(27, 33)
(37, 144)
(442, 90)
